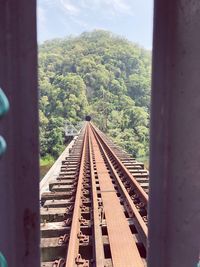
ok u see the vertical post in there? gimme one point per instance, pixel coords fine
(19, 182)
(174, 220)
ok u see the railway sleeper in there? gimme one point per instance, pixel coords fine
(66, 177)
(69, 167)
(139, 175)
(56, 229)
(55, 214)
(67, 173)
(141, 180)
(59, 182)
(55, 196)
(63, 187)
(62, 203)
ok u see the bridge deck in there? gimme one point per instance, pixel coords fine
(95, 213)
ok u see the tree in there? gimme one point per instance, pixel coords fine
(100, 74)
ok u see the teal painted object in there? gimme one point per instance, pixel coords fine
(3, 145)
(4, 107)
(4, 104)
(3, 262)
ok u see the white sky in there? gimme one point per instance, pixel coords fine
(132, 19)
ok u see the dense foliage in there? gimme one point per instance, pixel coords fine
(100, 74)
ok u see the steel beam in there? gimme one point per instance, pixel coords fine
(174, 220)
(19, 172)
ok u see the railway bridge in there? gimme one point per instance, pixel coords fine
(94, 209)
(174, 203)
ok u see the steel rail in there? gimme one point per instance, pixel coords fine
(140, 190)
(104, 225)
(98, 242)
(139, 224)
(124, 251)
(73, 244)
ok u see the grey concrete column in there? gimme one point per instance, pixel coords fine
(19, 174)
(174, 220)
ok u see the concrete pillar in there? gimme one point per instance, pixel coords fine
(19, 172)
(174, 220)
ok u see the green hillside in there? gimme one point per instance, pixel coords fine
(99, 74)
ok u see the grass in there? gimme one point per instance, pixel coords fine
(45, 164)
(47, 160)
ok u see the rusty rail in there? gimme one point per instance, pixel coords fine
(96, 211)
(98, 242)
(133, 211)
(72, 251)
(141, 192)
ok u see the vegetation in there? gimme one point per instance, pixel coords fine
(46, 161)
(99, 74)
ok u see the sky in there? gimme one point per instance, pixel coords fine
(132, 19)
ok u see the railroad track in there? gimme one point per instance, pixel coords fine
(96, 211)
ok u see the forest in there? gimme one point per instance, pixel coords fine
(98, 74)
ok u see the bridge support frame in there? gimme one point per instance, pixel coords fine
(19, 167)
(174, 220)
